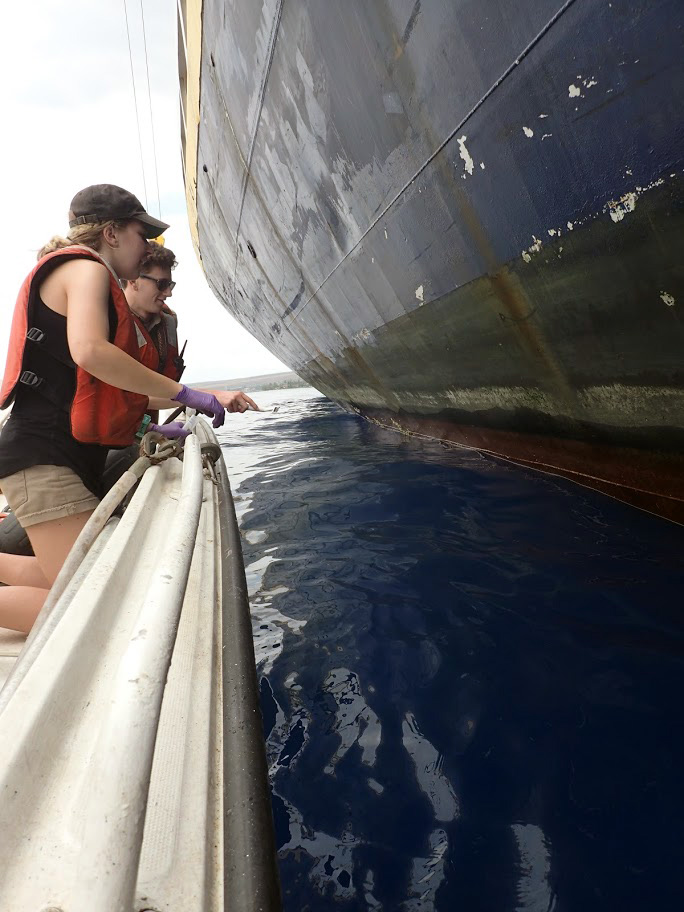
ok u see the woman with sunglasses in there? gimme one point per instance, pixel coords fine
(78, 386)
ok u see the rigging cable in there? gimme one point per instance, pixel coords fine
(135, 102)
(149, 100)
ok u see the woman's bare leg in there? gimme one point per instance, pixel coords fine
(18, 570)
(19, 606)
(51, 541)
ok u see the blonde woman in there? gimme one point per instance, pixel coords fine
(78, 387)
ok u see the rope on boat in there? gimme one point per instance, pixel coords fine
(135, 102)
(149, 102)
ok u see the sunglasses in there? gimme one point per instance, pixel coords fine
(162, 284)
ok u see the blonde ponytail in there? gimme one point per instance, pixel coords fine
(87, 235)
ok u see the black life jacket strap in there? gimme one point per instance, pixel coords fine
(38, 337)
(42, 387)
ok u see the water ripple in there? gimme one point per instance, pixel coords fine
(470, 673)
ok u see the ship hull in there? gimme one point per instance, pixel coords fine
(464, 220)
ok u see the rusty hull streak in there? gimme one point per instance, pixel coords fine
(400, 43)
(650, 481)
(508, 291)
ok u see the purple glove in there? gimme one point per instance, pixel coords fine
(174, 430)
(203, 402)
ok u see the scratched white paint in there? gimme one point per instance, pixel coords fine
(633, 406)
(528, 133)
(588, 83)
(542, 116)
(535, 247)
(570, 226)
(552, 232)
(468, 162)
(621, 404)
(317, 118)
(667, 299)
(392, 103)
(546, 136)
(574, 91)
(419, 294)
(618, 209)
(482, 165)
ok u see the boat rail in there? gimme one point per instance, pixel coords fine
(135, 775)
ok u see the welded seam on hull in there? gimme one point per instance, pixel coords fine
(552, 21)
(262, 94)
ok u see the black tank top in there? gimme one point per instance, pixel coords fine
(37, 431)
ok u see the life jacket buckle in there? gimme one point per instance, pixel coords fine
(28, 378)
(35, 334)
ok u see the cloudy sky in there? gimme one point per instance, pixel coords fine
(69, 121)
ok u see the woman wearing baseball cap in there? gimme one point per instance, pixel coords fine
(78, 386)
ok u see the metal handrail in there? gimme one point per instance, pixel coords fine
(123, 759)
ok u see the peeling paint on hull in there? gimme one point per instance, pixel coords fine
(335, 223)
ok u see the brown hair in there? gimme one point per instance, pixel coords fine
(87, 235)
(158, 255)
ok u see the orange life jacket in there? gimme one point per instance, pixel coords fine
(159, 345)
(99, 413)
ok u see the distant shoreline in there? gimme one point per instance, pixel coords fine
(283, 380)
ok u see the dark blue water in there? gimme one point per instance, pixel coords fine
(471, 674)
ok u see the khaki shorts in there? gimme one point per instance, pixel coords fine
(44, 492)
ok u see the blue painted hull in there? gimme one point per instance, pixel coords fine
(464, 219)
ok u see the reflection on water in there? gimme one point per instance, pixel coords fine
(534, 893)
(469, 672)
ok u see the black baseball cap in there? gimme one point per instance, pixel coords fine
(102, 202)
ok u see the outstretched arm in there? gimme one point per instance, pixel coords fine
(234, 400)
